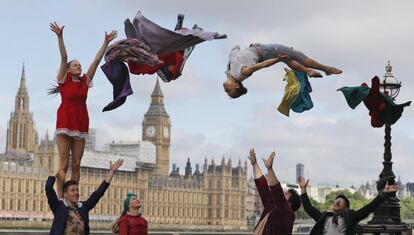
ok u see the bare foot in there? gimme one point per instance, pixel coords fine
(333, 70)
(314, 74)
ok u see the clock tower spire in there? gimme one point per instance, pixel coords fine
(156, 129)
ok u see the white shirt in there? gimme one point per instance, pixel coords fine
(239, 58)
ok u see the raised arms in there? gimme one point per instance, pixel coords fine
(99, 55)
(271, 176)
(64, 56)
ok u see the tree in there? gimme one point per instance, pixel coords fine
(301, 214)
(407, 208)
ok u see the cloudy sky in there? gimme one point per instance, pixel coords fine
(336, 144)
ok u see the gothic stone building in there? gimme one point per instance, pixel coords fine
(212, 196)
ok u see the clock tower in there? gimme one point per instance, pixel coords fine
(156, 128)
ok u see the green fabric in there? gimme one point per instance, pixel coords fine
(127, 199)
(392, 111)
(354, 95)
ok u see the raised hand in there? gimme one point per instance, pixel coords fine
(269, 162)
(390, 188)
(252, 157)
(111, 36)
(303, 183)
(114, 166)
(56, 28)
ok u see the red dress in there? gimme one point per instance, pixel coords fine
(72, 115)
(132, 225)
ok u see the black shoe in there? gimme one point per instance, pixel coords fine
(180, 20)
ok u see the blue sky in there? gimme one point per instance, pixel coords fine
(336, 144)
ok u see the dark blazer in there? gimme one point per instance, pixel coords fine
(351, 217)
(61, 212)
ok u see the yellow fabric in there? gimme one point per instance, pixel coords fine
(292, 90)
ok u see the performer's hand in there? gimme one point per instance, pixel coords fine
(269, 162)
(302, 182)
(56, 28)
(282, 57)
(390, 188)
(114, 166)
(111, 36)
(252, 157)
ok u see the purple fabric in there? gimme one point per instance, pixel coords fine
(118, 75)
(163, 41)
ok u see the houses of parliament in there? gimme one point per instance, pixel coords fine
(212, 195)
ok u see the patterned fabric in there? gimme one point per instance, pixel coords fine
(132, 50)
(72, 115)
(74, 224)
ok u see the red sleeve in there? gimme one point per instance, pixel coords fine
(278, 195)
(123, 226)
(264, 193)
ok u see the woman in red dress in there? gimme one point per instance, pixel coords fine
(72, 122)
(131, 221)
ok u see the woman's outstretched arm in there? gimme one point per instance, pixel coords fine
(249, 70)
(99, 55)
(64, 56)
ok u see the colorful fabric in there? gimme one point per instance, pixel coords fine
(72, 115)
(382, 108)
(117, 74)
(135, 225)
(163, 41)
(291, 92)
(304, 101)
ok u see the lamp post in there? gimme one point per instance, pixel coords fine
(389, 211)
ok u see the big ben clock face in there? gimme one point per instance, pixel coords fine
(150, 131)
(166, 132)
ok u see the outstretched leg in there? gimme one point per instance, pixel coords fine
(293, 64)
(311, 63)
(261, 183)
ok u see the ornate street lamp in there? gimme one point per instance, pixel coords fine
(390, 85)
(389, 211)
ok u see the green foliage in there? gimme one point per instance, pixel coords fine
(356, 199)
(407, 208)
(301, 214)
